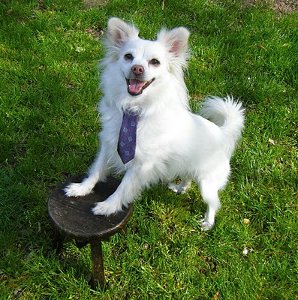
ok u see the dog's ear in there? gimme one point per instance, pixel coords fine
(119, 32)
(176, 40)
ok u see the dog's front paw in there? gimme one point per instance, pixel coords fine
(77, 190)
(105, 208)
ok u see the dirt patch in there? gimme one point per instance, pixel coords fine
(282, 6)
(286, 6)
(95, 3)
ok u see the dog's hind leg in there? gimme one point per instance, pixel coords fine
(181, 187)
(209, 192)
(209, 185)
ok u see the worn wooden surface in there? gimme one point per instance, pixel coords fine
(73, 217)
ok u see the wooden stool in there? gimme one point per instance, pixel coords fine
(73, 219)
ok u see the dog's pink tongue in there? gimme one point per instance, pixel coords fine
(135, 86)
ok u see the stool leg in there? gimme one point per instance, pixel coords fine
(98, 277)
(58, 241)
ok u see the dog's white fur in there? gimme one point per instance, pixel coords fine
(171, 141)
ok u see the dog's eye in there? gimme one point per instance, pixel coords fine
(154, 62)
(128, 56)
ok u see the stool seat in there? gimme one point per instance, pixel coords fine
(73, 219)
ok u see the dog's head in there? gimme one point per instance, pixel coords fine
(143, 63)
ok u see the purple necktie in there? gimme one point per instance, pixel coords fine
(128, 136)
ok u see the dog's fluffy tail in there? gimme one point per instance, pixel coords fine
(228, 114)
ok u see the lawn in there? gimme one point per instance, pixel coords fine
(49, 53)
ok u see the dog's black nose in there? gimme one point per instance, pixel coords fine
(137, 69)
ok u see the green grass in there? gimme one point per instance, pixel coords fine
(48, 94)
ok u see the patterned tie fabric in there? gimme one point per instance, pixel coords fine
(128, 136)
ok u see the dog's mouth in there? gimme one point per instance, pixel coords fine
(136, 87)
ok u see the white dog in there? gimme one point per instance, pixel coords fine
(149, 132)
